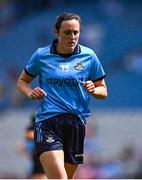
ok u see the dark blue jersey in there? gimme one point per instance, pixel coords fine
(61, 77)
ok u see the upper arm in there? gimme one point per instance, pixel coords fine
(33, 66)
(25, 77)
(100, 82)
(97, 72)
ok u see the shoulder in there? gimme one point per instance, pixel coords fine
(85, 49)
(43, 51)
(88, 51)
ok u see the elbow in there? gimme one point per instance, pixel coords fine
(101, 95)
(104, 96)
(18, 84)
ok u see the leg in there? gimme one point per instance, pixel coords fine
(53, 164)
(39, 176)
(70, 169)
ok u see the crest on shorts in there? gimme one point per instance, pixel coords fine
(50, 139)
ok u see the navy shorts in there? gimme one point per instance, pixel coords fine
(62, 132)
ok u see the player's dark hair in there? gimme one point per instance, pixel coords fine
(64, 17)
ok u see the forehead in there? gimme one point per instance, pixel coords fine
(70, 24)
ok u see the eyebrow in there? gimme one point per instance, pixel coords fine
(70, 31)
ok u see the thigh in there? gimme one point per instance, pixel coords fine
(48, 136)
(74, 141)
(53, 164)
(70, 169)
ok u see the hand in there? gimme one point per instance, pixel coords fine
(90, 87)
(38, 93)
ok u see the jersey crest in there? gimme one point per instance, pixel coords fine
(79, 66)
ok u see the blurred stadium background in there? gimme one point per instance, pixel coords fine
(113, 28)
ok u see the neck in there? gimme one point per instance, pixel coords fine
(60, 50)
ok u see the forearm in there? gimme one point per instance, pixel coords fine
(24, 87)
(36, 93)
(100, 92)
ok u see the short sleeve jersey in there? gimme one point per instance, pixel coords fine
(61, 77)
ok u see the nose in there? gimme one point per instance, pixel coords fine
(72, 35)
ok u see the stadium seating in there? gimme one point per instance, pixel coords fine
(120, 35)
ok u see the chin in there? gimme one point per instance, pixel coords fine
(72, 48)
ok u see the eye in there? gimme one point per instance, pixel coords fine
(67, 32)
(75, 32)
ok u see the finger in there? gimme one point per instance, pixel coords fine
(43, 92)
(89, 85)
(91, 90)
(88, 82)
(84, 84)
(35, 93)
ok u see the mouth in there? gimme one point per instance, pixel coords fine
(71, 43)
